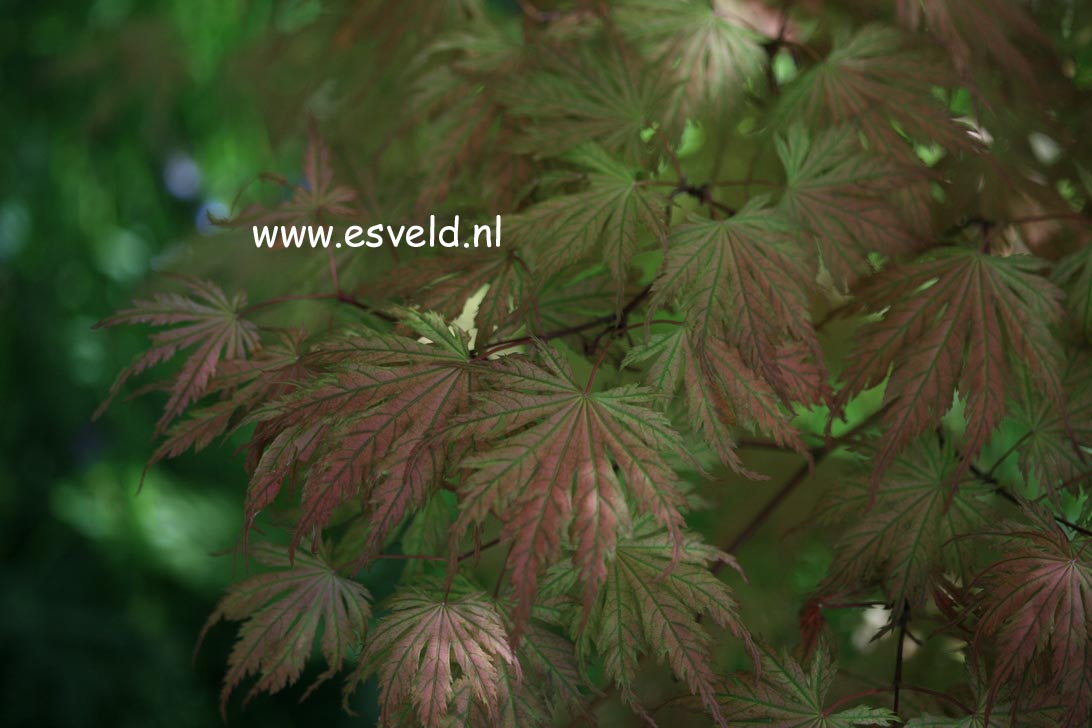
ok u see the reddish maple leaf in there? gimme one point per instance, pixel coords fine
(838, 195)
(282, 611)
(749, 346)
(365, 425)
(867, 82)
(1036, 601)
(208, 321)
(426, 643)
(553, 458)
(955, 319)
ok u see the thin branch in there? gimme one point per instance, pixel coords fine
(817, 456)
(339, 297)
(904, 620)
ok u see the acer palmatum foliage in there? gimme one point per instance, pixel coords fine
(814, 228)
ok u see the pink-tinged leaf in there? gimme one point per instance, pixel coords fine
(1035, 601)
(207, 321)
(365, 427)
(608, 221)
(839, 196)
(956, 320)
(871, 80)
(742, 284)
(552, 459)
(283, 611)
(427, 644)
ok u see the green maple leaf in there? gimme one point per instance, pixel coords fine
(647, 605)
(1073, 274)
(869, 81)
(578, 96)
(788, 695)
(742, 284)
(909, 532)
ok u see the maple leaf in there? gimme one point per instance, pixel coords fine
(207, 320)
(910, 533)
(786, 695)
(365, 425)
(553, 458)
(647, 604)
(447, 283)
(982, 31)
(282, 611)
(550, 682)
(244, 384)
(1073, 274)
(869, 81)
(426, 643)
(1053, 449)
(578, 96)
(1036, 600)
(315, 199)
(720, 392)
(838, 195)
(603, 221)
(471, 131)
(955, 319)
(743, 286)
(707, 44)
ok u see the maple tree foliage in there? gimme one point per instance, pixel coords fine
(817, 231)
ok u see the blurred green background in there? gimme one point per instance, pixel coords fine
(121, 127)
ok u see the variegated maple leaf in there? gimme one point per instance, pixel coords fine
(910, 532)
(207, 320)
(839, 196)
(283, 610)
(867, 82)
(447, 283)
(606, 221)
(956, 319)
(428, 645)
(1035, 601)
(647, 605)
(786, 694)
(749, 348)
(365, 426)
(553, 459)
